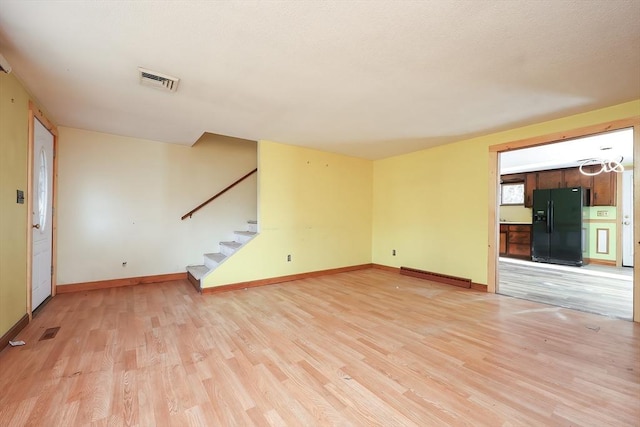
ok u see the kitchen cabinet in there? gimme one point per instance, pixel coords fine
(515, 240)
(512, 178)
(530, 184)
(573, 178)
(603, 189)
(550, 179)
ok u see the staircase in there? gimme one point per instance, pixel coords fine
(196, 273)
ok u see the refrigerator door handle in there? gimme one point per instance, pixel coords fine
(550, 216)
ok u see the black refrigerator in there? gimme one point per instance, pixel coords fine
(557, 226)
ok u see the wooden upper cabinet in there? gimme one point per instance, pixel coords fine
(550, 179)
(603, 189)
(512, 178)
(530, 181)
(573, 178)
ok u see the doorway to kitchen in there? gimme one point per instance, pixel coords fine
(562, 211)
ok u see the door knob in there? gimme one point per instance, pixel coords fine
(626, 222)
(36, 226)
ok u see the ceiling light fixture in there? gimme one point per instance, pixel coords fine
(606, 165)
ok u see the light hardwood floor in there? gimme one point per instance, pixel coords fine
(362, 348)
(593, 288)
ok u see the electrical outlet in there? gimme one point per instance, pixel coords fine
(602, 213)
(288, 258)
(393, 252)
(124, 264)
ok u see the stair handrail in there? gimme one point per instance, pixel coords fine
(203, 204)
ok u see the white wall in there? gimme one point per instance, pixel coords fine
(120, 200)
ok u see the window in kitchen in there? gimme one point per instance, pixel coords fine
(512, 194)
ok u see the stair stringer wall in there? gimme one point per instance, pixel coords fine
(312, 205)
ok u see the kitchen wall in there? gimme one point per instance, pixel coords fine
(600, 224)
(314, 206)
(515, 213)
(120, 200)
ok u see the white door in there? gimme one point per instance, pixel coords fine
(627, 218)
(42, 197)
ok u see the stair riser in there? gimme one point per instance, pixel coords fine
(226, 250)
(195, 282)
(243, 239)
(210, 264)
(252, 227)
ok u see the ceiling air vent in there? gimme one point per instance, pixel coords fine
(158, 80)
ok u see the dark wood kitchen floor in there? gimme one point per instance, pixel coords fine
(593, 288)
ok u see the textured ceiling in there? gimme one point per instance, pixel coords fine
(364, 78)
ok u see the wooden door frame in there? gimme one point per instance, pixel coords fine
(494, 168)
(619, 214)
(36, 113)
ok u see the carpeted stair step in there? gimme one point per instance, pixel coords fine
(212, 260)
(197, 271)
(228, 248)
(244, 236)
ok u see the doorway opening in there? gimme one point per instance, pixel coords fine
(41, 201)
(600, 277)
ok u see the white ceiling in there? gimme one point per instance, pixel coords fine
(607, 146)
(370, 79)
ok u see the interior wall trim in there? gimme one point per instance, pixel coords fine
(14, 331)
(386, 268)
(117, 283)
(436, 277)
(610, 263)
(282, 279)
(478, 287)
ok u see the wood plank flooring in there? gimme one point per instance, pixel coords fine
(363, 348)
(595, 289)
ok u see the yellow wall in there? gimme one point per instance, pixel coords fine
(314, 206)
(121, 199)
(432, 205)
(14, 104)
